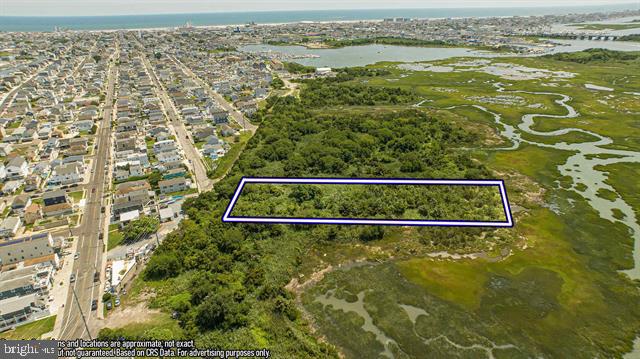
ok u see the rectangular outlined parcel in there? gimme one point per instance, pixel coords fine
(508, 222)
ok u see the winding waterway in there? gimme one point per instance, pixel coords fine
(330, 299)
(587, 180)
(582, 168)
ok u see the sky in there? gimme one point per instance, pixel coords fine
(127, 7)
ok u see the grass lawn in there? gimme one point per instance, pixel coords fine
(31, 330)
(115, 238)
(160, 326)
(531, 161)
(77, 195)
(225, 163)
(73, 220)
(106, 311)
(149, 142)
(15, 124)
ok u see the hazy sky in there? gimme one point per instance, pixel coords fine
(119, 7)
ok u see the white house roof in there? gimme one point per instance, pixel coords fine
(129, 216)
(166, 213)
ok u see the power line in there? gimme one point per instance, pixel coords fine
(84, 320)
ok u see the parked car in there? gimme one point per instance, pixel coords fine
(94, 304)
(117, 302)
(109, 305)
(77, 255)
(72, 278)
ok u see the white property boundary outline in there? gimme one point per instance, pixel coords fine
(371, 181)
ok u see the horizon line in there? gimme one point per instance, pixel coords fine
(633, 6)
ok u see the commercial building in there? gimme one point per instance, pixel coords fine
(26, 248)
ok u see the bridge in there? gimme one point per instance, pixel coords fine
(582, 36)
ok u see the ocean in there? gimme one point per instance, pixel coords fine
(49, 23)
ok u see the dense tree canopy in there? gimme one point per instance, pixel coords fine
(595, 55)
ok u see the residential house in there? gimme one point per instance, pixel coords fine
(88, 113)
(67, 174)
(213, 151)
(126, 144)
(130, 196)
(55, 210)
(55, 197)
(44, 133)
(167, 166)
(20, 202)
(5, 149)
(219, 115)
(84, 125)
(226, 130)
(189, 111)
(164, 146)
(17, 168)
(32, 213)
(172, 185)
(169, 156)
(201, 133)
(9, 226)
(125, 170)
(33, 181)
(26, 280)
(11, 187)
(78, 148)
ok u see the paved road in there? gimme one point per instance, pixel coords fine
(191, 152)
(90, 246)
(236, 115)
(8, 99)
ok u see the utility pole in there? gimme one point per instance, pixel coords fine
(84, 320)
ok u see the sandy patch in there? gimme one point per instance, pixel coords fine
(504, 70)
(598, 88)
(126, 315)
